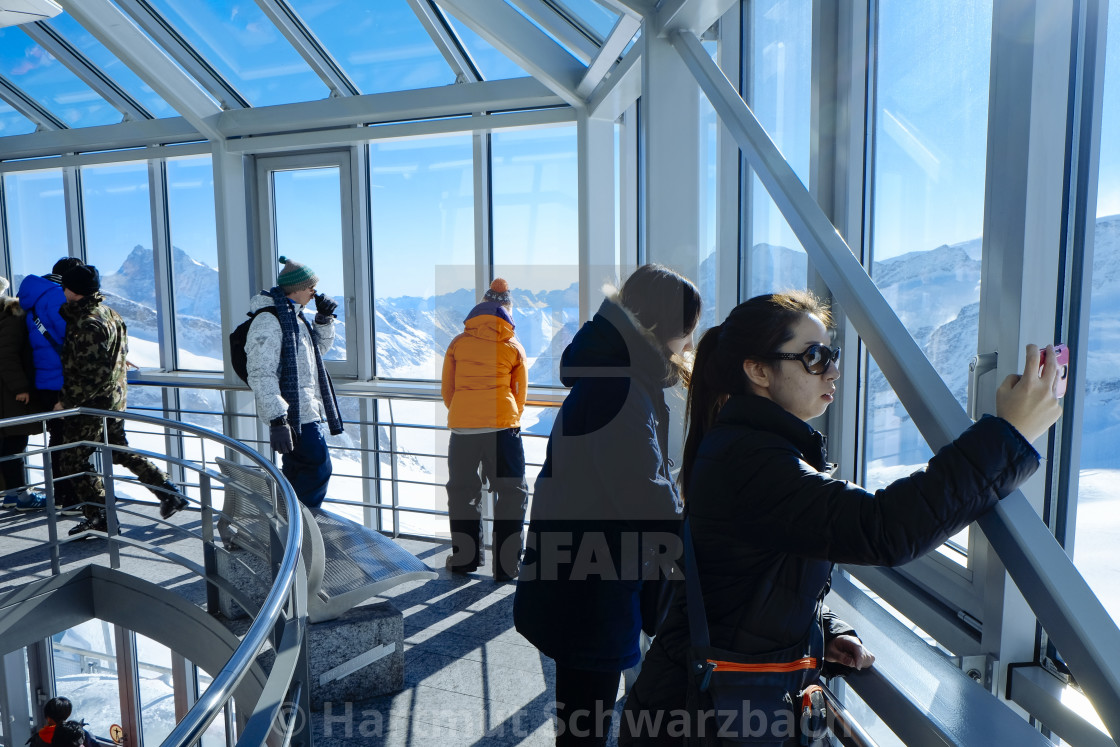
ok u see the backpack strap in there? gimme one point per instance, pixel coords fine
(45, 333)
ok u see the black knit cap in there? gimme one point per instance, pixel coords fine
(84, 280)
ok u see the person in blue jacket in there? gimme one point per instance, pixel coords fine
(605, 503)
(41, 298)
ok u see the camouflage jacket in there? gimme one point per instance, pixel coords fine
(93, 355)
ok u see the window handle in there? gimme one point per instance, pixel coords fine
(977, 367)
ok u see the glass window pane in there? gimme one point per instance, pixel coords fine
(32, 69)
(381, 47)
(13, 123)
(422, 217)
(418, 431)
(194, 263)
(595, 16)
(1098, 521)
(85, 669)
(930, 145)
(85, 43)
(117, 215)
(36, 222)
(309, 230)
(780, 33)
(491, 63)
(156, 689)
(241, 43)
(536, 240)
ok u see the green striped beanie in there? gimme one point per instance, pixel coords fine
(295, 276)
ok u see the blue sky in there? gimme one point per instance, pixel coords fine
(931, 119)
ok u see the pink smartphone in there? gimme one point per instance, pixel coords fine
(1062, 354)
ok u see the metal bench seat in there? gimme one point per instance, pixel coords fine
(346, 562)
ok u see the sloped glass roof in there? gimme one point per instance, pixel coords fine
(239, 41)
(491, 63)
(13, 123)
(591, 14)
(85, 43)
(33, 70)
(382, 46)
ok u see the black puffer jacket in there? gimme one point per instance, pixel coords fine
(768, 523)
(603, 492)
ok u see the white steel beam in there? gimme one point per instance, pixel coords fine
(309, 47)
(608, 55)
(189, 58)
(516, 37)
(394, 106)
(559, 26)
(426, 127)
(101, 138)
(113, 29)
(596, 212)
(635, 8)
(1064, 604)
(92, 75)
(620, 88)
(689, 15)
(446, 40)
(29, 107)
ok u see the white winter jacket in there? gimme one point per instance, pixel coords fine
(262, 354)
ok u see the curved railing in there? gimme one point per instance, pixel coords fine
(282, 618)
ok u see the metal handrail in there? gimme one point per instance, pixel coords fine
(842, 725)
(190, 729)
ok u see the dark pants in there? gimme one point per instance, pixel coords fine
(308, 467)
(11, 470)
(584, 702)
(74, 464)
(502, 457)
(64, 494)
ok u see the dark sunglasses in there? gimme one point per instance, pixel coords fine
(816, 358)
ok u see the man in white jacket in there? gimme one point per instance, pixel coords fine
(295, 397)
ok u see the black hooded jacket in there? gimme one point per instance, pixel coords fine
(768, 523)
(604, 488)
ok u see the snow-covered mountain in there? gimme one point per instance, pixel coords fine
(935, 293)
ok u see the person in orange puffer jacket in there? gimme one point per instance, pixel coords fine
(484, 385)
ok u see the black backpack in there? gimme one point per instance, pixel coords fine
(237, 344)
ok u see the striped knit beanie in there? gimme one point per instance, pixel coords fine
(499, 291)
(295, 276)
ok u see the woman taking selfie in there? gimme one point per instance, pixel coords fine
(768, 521)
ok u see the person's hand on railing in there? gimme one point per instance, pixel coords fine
(849, 651)
(1027, 401)
(280, 436)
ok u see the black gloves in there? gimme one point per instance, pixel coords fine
(324, 308)
(280, 436)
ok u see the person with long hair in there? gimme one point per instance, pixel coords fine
(767, 519)
(605, 488)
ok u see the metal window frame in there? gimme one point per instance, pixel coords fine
(25, 105)
(446, 40)
(109, 25)
(172, 42)
(266, 224)
(520, 40)
(554, 21)
(304, 41)
(93, 76)
(1058, 595)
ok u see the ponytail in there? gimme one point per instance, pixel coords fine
(753, 330)
(704, 402)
